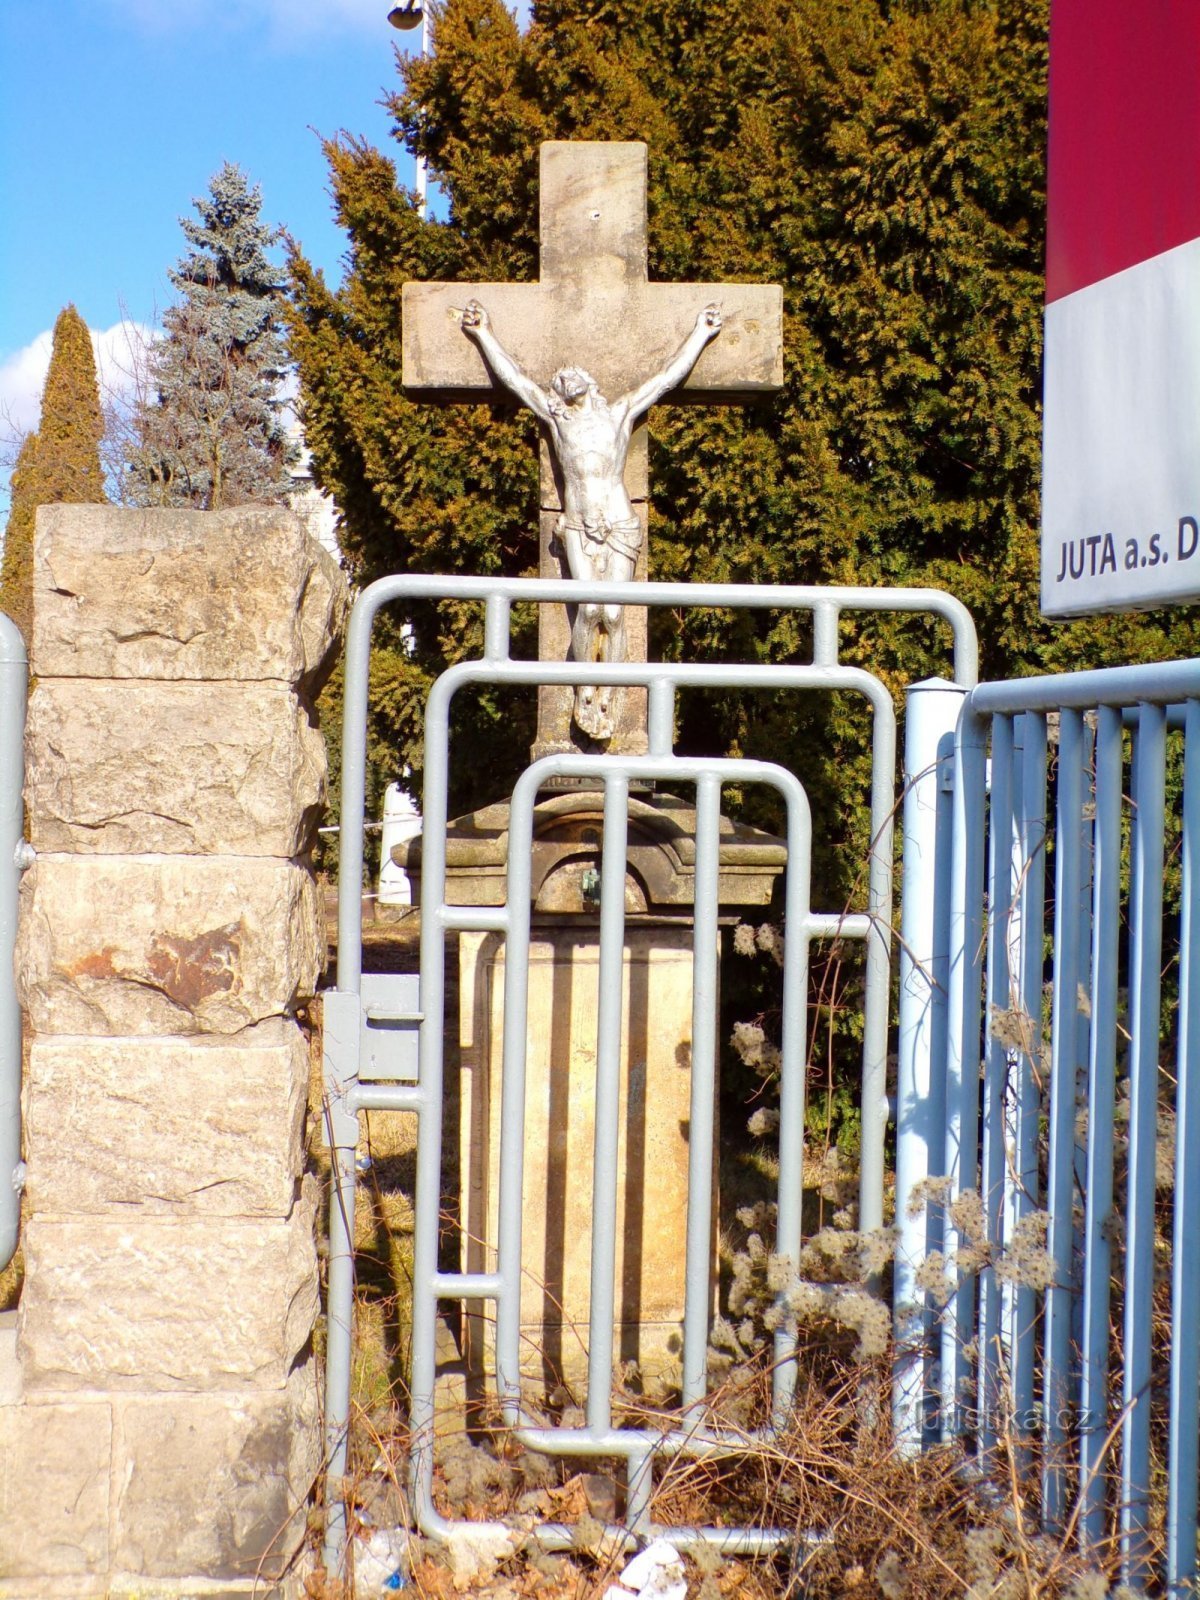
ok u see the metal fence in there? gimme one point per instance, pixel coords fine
(1056, 1013)
(353, 1085)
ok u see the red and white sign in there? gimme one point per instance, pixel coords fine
(1121, 475)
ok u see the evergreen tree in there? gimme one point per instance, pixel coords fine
(883, 160)
(16, 573)
(210, 432)
(60, 463)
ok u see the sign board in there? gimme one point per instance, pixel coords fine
(1121, 448)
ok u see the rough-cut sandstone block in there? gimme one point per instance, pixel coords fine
(120, 945)
(172, 768)
(180, 1126)
(76, 1589)
(124, 1587)
(216, 1485)
(54, 1477)
(181, 594)
(163, 1303)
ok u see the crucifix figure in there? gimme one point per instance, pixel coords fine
(599, 531)
(593, 310)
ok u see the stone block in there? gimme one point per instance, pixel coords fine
(172, 768)
(202, 1125)
(127, 1587)
(162, 945)
(216, 1485)
(90, 1588)
(10, 1367)
(202, 595)
(54, 1492)
(164, 1303)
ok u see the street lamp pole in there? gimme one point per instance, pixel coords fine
(405, 16)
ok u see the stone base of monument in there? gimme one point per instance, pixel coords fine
(655, 1091)
(652, 1153)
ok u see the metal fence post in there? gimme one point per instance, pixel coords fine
(14, 682)
(1183, 1460)
(931, 713)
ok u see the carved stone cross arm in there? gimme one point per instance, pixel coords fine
(594, 306)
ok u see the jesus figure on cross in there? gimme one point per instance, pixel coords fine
(598, 528)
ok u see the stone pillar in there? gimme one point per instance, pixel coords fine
(158, 1425)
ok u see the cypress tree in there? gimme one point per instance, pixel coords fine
(60, 463)
(16, 573)
(209, 432)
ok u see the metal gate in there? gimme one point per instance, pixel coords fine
(355, 1071)
(1060, 1023)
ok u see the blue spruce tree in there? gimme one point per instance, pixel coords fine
(209, 429)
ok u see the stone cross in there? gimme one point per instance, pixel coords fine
(593, 307)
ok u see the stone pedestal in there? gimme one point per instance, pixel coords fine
(159, 1430)
(652, 1154)
(561, 1069)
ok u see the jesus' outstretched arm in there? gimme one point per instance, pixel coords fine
(478, 325)
(708, 326)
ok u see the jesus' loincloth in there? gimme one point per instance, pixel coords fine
(602, 538)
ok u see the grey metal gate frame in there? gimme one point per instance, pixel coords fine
(347, 1094)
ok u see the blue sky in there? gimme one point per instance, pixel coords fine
(115, 113)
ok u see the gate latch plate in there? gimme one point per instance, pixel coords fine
(390, 1021)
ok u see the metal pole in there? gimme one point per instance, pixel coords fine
(877, 996)
(511, 1190)
(995, 1078)
(705, 956)
(1019, 1309)
(343, 1139)
(1145, 966)
(965, 964)
(793, 1045)
(431, 1043)
(1102, 1071)
(1060, 1181)
(610, 1010)
(422, 166)
(931, 713)
(1182, 1460)
(405, 16)
(14, 681)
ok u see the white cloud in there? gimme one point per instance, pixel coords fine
(23, 375)
(120, 352)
